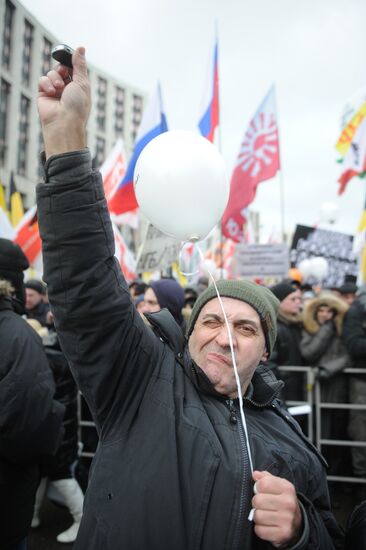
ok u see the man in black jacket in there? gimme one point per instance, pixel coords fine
(30, 419)
(354, 334)
(173, 467)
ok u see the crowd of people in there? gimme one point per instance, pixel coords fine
(196, 447)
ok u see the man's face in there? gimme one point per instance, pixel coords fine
(33, 298)
(210, 348)
(349, 298)
(292, 304)
(151, 303)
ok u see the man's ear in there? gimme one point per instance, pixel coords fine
(265, 356)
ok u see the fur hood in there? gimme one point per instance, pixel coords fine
(6, 290)
(330, 300)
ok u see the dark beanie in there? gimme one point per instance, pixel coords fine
(282, 290)
(37, 285)
(258, 297)
(170, 294)
(13, 262)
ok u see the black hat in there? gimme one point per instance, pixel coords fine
(348, 288)
(13, 262)
(282, 290)
(37, 285)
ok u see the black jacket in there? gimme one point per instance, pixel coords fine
(171, 470)
(30, 421)
(354, 331)
(287, 352)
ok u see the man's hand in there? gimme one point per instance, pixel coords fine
(64, 106)
(277, 514)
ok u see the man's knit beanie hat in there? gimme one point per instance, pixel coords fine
(258, 297)
(282, 290)
(37, 285)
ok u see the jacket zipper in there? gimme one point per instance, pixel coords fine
(243, 490)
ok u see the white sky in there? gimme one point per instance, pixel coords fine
(313, 51)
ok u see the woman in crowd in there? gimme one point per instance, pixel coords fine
(321, 345)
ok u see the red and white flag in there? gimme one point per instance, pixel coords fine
(113, 171)
(124, 255)
(258, 160)
(27, 235)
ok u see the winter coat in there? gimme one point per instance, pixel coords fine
(354, 331)
(287, 352)
(30, 420)
(322, 346)
(171, 470)
(39, 312)
(58, 466)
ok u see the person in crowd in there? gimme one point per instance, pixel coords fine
(354, 334)
(172, 469)
(165, 293)
(347, 292)
(287, 347)
(30, 418)
(58, 470)
(137, 288)
(322, 346)
(35, 305)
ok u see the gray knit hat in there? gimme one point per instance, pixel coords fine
(258, 297)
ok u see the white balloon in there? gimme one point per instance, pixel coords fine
(180, 184)
(329, 212)
(304, 267)
(319, 268)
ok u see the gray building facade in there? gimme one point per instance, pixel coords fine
(25, 55)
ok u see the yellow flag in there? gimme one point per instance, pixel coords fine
(361, 233)
(16, 209)
(2, 198)
(348, 132)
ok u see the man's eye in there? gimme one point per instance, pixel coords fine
(247, 329)
(212, 323)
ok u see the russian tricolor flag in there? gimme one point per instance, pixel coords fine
(210, 104)
(152, 124)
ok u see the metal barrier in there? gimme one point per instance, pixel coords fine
(314, 417)
(313, 394)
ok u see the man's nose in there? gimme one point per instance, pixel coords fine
(223, 338)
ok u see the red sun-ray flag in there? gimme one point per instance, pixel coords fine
(258, 160)
(209, 119)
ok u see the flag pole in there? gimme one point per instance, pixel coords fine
(282, 191)
(219, 143)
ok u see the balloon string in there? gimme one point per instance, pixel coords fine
(237, 379)
(180, 260)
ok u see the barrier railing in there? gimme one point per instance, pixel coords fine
(314, 422)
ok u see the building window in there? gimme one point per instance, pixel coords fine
(23, 135)
(7, 35)
(4, 109)
(46, 56)
(119, 111)
(101, 104)
(137, 103)
(99, 152)
(27, 52)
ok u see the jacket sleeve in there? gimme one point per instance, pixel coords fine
(30, 418)
(313, 346)
(354, 332)
(110, 350)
